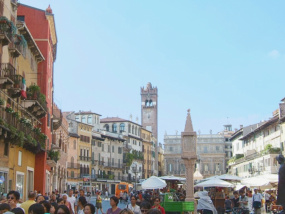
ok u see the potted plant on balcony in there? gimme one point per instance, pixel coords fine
(8, 109)
(16, 115)
(37, 130)
(2, 102)
(33, 91)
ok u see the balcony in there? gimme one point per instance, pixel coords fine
(83, 158)
(7, 73)
(73, 176)
(105, 177)
(71, 165)
(18, 46)
(7, 29)
(19, 126)
(94, 162)
(35, 102)
(57, 117)
(113, 165)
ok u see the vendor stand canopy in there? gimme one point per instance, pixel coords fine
(266, 181)
(172, 178)
(228, 177)
(215, 182)
(153, 183)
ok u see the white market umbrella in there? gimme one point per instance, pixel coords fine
(172, 178)
(229, 177)
(215, 182)
(153, 183)
(265, 181)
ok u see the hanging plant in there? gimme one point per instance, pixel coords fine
(22, 40)
(21, 138)
(8, 109)
(22, 120)
(37, 130)
(2, 102)
(16, 115)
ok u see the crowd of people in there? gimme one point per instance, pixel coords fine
(242, 201)
(75, 203)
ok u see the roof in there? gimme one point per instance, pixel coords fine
(113, 138)
(116, 119)
(86, 112)
(236, 134)
(73, 135)
(250, 130)
(97, 138)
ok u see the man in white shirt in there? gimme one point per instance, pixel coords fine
(267, 201)
(71, 199)
(256, 201)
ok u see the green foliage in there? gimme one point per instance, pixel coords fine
(9, 110)
(236, 157)
(42, 98)
(37, 130)
(128, 159)
(21, 138)
(111, 176)
(269, 149)
(34, 88)
(137, 155)
(2, 102)
(16, 115)
(54, 155)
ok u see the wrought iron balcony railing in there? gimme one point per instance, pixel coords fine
(20, 125)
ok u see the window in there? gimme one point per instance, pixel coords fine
(20, 183)
(106, 127)
(136, 131)
(114, 127)
(74, 144)
(77, 118)
(89, 119)
(21, 18)
(133, 129)
(217, 148)
(20, 158)
(72, 174)
(48, 119)
(83, 119)
(108, 148)
(113, 149)
(122, 127)
(205, 149)
(102, 147)
(120, 150)
(6, 149)
(139, 143)
(129, 128)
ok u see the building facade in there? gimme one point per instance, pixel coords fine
(255, 148)
(211, 152)
(41, 24)
(148, 152)
(132, 150)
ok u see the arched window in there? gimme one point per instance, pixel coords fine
(106, 127)
(146, 102)
(150, 103)
(72, 162)
(133, 130)
(74, 144)
(114, 127)
(81, 169)
(83, 119)
(122, 127)
(129, 128)
(136, 131)
(89, 119)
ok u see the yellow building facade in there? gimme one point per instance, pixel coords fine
(147, 152)
(84, 155)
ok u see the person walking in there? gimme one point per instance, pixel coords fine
(99, 203)
(243, 202)
(256, 201)
(133, 205)
(156, 205)
(71, 199)
(114, 206)
(31, 200)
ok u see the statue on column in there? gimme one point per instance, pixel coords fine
(281, 181)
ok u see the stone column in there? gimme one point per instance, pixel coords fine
(189, 156)
(189, 165)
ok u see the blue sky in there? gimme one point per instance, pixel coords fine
(224, 60)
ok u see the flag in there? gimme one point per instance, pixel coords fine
(23, 90)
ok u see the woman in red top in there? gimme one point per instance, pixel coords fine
(157, 205)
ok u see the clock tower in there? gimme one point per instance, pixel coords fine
(149, 108)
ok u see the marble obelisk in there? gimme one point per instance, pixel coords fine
(189, 155)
